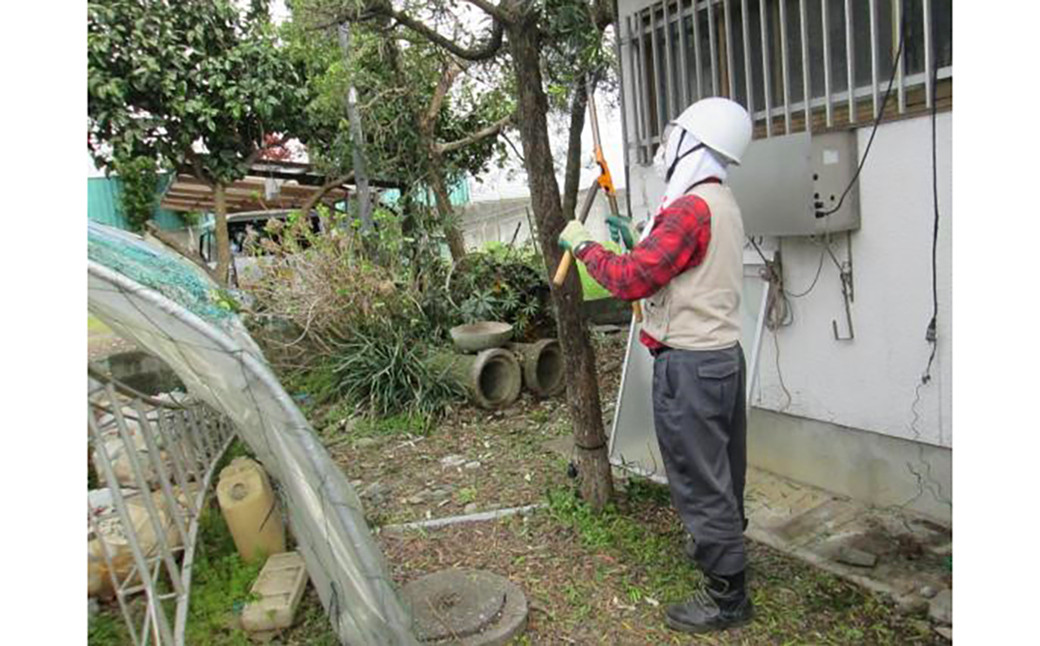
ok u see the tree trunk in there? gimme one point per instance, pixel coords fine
(456, 243)
(221, 232)
(594, 477)
(572, 171)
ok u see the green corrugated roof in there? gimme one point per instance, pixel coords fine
(104, 205)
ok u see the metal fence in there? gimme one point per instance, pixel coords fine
(166, 305)
(157, 458)
(794, 64)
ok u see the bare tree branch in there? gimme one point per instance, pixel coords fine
(519, 155)
(479, 53)
(451, 71)
(483, 133)
(325, 188)
(175, 244)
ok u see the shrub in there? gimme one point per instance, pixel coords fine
(503, 283)
(344, 317)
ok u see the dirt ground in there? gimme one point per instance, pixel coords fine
(589, 579)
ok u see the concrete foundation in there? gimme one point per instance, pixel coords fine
(868, 467)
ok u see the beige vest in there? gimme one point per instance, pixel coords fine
(700, 308)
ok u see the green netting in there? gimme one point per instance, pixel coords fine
(173, 277)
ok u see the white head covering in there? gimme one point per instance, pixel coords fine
(691, 168)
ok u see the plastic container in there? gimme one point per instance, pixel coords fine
(278, 591)
(250, 509)
(112, 536)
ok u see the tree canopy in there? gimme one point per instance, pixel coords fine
(196, 84)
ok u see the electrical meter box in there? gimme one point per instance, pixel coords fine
(785, 185)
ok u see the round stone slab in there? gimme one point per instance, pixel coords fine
(471, 607)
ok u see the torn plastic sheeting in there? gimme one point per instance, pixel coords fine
(219, 363)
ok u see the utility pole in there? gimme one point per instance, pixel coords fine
(360, 171)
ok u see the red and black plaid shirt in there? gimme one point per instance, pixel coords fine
(678, 240)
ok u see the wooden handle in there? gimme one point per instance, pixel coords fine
(563, 268)
(637, 312)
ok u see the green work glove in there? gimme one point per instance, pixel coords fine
(573, 235)
(622, 231)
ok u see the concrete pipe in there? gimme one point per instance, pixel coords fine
(492, 377)
(542, 364)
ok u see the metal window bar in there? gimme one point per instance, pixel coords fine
(784, 67)
(694, 13)
(824, 15)
(644, 93)
(763, 18)
(660, 88)
(874, 56)
(730, 75)
(926, 9)
(749, 80)
(850, 59)
(712, 49)
(669, 66)
(897, 16)
(637, 89)
(165, 440)
(645, 38)
(683, 46)
(806, 84)
(623, 99)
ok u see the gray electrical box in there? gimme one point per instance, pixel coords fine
(785, 184)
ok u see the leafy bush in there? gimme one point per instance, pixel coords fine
(503, 283)
(344, 316)
(384, 372)
(139, 195)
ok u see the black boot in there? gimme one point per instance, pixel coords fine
(723, 603)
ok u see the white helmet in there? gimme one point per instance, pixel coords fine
(720, 124)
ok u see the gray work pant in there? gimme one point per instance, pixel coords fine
(701, 423)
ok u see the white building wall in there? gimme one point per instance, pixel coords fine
(867, 383)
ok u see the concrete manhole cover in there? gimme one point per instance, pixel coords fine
(470, 607)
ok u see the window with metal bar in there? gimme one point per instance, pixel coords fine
(768, 54)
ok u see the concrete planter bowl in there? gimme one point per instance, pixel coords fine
(475, 337)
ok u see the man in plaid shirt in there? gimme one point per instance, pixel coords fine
(688, 270)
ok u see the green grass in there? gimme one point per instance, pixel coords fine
(795, 603)
(221, 582)
(662, 569)
(108, 629)
(392, 425)
(220, 585)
